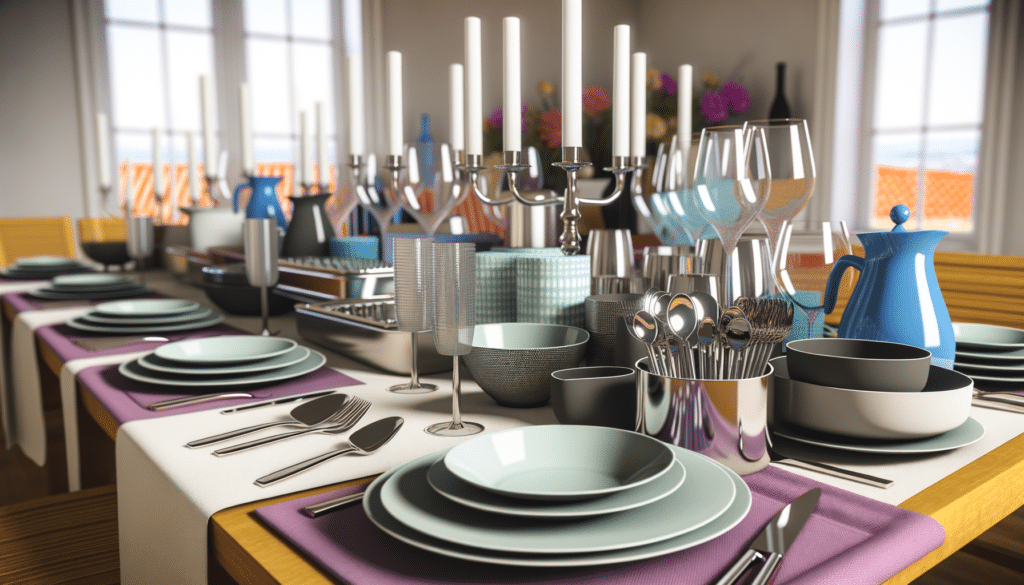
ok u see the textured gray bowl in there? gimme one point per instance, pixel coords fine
(602, 396)
(859, 364)
(943, 405)
(512, 362)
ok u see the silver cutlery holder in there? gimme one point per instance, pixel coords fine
(141, 236)
(726, 420)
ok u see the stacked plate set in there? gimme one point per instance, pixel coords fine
(43, 268)
(992, 356)
(229, 360)
(870, 397)
(144, 316)
(558, 496)
(89, 287)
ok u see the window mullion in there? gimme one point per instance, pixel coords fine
(925, 104)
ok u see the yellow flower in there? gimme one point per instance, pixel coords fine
(545, 89)
(711, 80)
(653, 79)
(656, 127)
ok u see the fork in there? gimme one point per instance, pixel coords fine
(342, 421)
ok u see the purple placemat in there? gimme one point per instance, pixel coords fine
(126, 399)
(25, 302)
(61, 339)
(849, 539)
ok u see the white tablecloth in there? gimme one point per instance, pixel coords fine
(166, 493)
(5, 356)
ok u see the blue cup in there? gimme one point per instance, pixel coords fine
(356, 247)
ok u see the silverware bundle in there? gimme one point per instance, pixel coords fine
(687, 336)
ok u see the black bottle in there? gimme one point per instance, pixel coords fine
(780, 109)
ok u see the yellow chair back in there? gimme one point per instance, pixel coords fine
(22, 237)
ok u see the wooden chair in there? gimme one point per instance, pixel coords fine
(61, 539)
(34, 236)
(102, 230)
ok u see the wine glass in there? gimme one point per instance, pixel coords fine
(791, 169)
(446, 193)
(378, 201)
(726, 192)
(806, 253)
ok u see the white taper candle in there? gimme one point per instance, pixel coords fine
(456, 111)
(158, 165)
(103, 150)
(620, 91)
(684, 117)
(195, 191)
(356, 125)
(245, 128)
(322, 176)
(638, 104)
(512, 126)
(208, 115)
(572, 73)
(474, 88)
(305, 166)
(394, 89)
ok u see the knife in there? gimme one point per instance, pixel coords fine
(284, 400)
(774, 540)
(317, 510)
(364, 441)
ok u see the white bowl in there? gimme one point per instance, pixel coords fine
(943, 405)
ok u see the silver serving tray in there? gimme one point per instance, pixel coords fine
(365, 330)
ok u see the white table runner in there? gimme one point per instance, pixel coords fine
(5, 356)
(166, 493)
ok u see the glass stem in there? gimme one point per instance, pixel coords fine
(415, 371)
(456, 394)
(726, 299)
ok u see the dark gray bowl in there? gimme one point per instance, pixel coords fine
(107, 253)
(859, 364)
(601, 396)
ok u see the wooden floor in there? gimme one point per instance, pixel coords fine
(994, 558)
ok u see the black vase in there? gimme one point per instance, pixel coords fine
(310, 230)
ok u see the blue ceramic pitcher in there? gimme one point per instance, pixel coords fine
(263, 203)
(897, 297)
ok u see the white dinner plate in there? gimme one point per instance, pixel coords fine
(63, 295)
(1014, 356)
(988, 337)
(590, 462)
(227, 349)
(101, 319)
(969, 432)
(156, 366)
(134, 371)
(90, 280)
(705, 495)
(382, 518)
(79, 324)
(1006, 368)
(989, 377)
(448, 485)
(146, 308)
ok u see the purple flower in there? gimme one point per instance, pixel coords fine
(668, 86)
(739, 99)
(714, 107)
(497, 118)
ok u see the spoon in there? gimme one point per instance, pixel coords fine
(737, 335)
(682, 321)
(645, 328)
(307, 414)
(707, 333)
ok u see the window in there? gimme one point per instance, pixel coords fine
(928, 104)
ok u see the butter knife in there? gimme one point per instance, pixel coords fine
(284, 400)
(317, 510)
(773, 542)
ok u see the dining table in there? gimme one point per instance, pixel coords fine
(966, 491)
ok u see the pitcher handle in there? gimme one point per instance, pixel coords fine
(832, 286)
(235, 196)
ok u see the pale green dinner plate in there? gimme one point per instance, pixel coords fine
(79, 324)
(970, 432)
(90, 280)
(146, 308)
(1010, 369)
(101, 319)
(448, 485)
(705, 495)
(157, 365)
(48, 262)
(734, 513)
(134, 371)
(226, 349)
(64, 295)
(1013, 356)
(989, 377)
(987, 337)
(559, 462)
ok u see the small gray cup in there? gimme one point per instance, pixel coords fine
(603, 396)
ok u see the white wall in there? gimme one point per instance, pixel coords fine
(745, 37)
(430, 36)
(40, 168)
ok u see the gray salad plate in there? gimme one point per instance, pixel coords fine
(146, 308)
(100, 319)
(82, 325)
(138, 373)
(157, 365)
(970, 432)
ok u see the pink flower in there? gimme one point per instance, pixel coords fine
(714, 107)
(739, 99)
(668, 86)
(550, 128)
(595, 100)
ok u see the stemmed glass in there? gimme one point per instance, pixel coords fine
(454, 318)
(447, 192)
(726, 192)
(792, 173)
(379, 202)
(806, 253)
(414, 302)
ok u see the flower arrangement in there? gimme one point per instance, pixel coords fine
(712, 105)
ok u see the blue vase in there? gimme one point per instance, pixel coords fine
(263, 203)
(897, 297)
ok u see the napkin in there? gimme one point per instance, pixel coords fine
(166, 492)
(849, 539)
(8, 290)
(24, 424)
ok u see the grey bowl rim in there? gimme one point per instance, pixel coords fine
(827, 340)
(924, 391)
(630, 372)
(549, 347)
